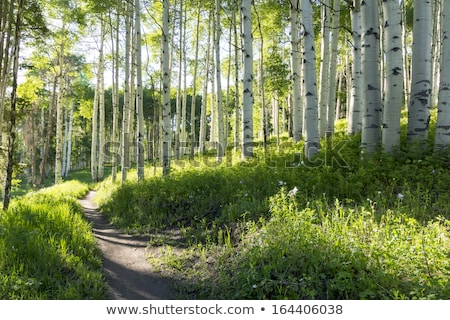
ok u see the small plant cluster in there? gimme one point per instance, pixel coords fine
(47, 250)
(354, 227)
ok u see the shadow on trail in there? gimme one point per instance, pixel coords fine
(128, 273)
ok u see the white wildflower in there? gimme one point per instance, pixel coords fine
(293, 192)
(255, 286)
(281, 183)
(400, 196)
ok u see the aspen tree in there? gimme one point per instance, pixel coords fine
(442, 138)
(371, 118)
(312, 138)
(421, 80)
(393, 101)
(247, 115)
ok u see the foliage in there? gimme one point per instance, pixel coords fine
(279, 227)
(47, 250)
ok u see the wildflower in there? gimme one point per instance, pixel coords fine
(281, 183)
(293, 192)
(255, 286)
(379, 192)
(400, 196)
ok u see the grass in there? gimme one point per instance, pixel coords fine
(47, 250)
(280, 227)
(344, 226)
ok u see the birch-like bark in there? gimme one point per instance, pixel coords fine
(193, 138)
(48, 136)
(247, 115)
(421, 79)
(69, 141)
(331, 112)
(442, 138)
(371, 118)
(178, 107)
(165, 56)
(221, 143)
(312, 138)
(125, 156)
(237, 111)
(324, 68)
(115, 90)
(354, 119)
(140, 134)
(297, 107)
(60, 112)
(101, 102)
(94, 140)
(202, 133)
(393, 101)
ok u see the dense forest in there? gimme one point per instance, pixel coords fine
(344, 100)
(89, 84)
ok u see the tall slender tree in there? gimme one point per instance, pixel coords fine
(297, 107)
(393, 101)
(312, 138)
(354, 119)
(421, 79)
(371, 118)
(166, 114)
(17, 37)
(442, 137)
(140, 134)
(324, 68)
(221, 143)
(247, 115)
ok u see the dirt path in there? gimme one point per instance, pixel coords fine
(129, 275)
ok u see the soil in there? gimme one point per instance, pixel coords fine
(128, 273)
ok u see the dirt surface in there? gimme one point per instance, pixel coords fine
(126, 269)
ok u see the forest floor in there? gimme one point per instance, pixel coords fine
(128, 273)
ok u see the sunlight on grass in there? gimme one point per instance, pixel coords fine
(278, 226)
(47, 250)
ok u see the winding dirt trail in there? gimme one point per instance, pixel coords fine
(128, 273)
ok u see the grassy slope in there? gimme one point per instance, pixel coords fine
(47, 250)
(354, 229)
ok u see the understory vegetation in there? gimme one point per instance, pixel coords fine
(345, 226)
(47, 249)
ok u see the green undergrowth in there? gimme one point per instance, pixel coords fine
(47, 249)
(344, 226)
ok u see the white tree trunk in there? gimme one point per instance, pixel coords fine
(354, 119)
(312, 138)
(371, 118)
(140, 134)
(101, 100)
(442, 138)
(393, 101)
(125, 157)
(237, 112)
(324, 68)
(69, 141)
(165, 56)
(60, 113)
(421, 80)
(193, 138)
(202, 132)
(247, 115)
(221, 144)
(331, 113)
(297, 107)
